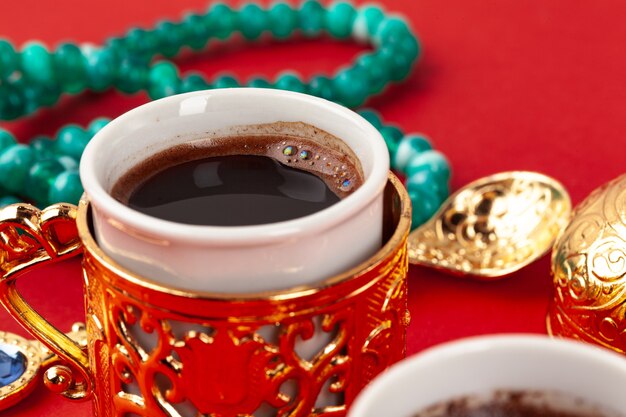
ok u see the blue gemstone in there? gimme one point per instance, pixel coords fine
(12, 364)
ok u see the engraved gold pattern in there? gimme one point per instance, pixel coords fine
(589, 271)
(493, 226)
(222, 365)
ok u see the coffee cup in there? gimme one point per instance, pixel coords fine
(558, 375)
(301, 342)
(235, 259)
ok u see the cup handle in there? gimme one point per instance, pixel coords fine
(30, 237)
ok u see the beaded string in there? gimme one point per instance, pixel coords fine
(46, 170)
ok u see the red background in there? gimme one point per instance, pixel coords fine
(502, 85)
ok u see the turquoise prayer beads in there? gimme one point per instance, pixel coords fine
(45, 171)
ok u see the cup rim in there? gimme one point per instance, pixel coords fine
(236, 235)
(375, 391)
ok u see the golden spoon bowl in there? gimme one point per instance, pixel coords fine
(493, 226)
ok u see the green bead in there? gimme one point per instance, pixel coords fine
(197, 32)
(424, 206)
(428, 182)
(118, 47)
(9, 59)
(12, 102)
(71, 141)
(36, 63)
(31, 101)
(291, 82)
(69, 66)
(339, 19)
(170, 37)
(101, 67)
(66, 187)
(311, 17)
(252, 21)
(259, 82)
(400, 65)
(391, 30)
(410, 146)
(132, 76)
(43, 147)
(6, 139)
(408, 46)
(163, 80)
(40, 177)
(322, 86)
(15, 161)
(392, 136)
(96, 125)
(366, 23)
(48, 95)
(69, 163)
(376, 70)
(142, 42)
(8, 200)
(433, 161)
(193, 82)
(225, 81)
(221, 20)
(351, 86)
(396, 34)
(371, 116)
(283, 20)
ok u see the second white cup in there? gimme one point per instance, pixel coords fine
(574, 377)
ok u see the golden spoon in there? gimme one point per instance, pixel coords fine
(493, 226)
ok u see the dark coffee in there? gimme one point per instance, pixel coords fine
(241, 180)
(513, 404)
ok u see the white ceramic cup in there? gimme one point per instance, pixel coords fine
(240, 259)
(482, 365)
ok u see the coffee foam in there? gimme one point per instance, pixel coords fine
(518, 403)
(294, 144)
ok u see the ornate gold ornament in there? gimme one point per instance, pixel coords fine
(32, 357)
(589, 271)
(26, 382)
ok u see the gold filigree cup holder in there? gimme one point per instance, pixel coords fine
(161, 351)
(589, 271)
(493, 226)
